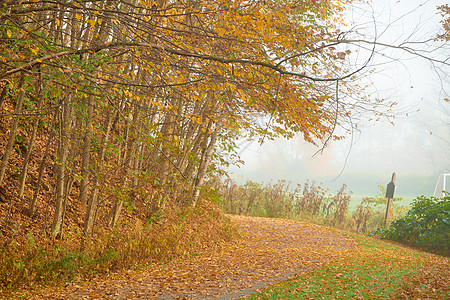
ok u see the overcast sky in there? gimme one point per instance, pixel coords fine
(419, 141)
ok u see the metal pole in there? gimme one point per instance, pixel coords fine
(390, 195)
(444, 186)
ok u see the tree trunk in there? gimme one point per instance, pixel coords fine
(89, 217)
(200, 142)
(206, 157)
(133, 136)
(63, 150)
(86, 154)
(192, 127)
(41, 169)
(23, 176)
(135, 171)
(128, 166)
(12, 135)
(66, 198)
(3, 95)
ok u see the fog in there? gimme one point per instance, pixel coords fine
(415, 143)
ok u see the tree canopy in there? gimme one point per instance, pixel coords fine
(134, 99)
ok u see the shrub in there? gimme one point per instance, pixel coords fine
(426, 224)
(279, 200)
(179, 232)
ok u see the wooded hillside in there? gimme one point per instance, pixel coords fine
(107, 104)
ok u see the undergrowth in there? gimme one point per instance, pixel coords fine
(426, 225)
(179, 232)
(309, 203)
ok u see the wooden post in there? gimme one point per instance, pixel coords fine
(390, 195)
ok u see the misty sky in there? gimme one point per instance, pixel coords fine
(416, 145)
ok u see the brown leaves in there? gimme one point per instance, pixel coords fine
(430, 282)
(269, 251)
(445, 13)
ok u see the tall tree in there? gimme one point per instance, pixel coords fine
(158, 88)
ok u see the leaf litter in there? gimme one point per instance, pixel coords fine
(268, 252)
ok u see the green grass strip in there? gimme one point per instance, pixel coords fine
(375, 270)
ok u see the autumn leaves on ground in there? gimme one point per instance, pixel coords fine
(118, 120)
(310, 262)
(269, 251)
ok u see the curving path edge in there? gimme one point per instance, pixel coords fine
(270, 251)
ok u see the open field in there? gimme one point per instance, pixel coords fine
(356, 199)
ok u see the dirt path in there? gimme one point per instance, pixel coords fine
(269, 252)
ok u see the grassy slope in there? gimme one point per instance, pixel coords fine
(375, 270)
